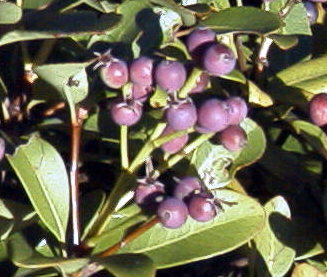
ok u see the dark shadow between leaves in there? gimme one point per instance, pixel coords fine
(300, 234)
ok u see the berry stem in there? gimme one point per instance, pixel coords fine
(124, 146)
(130, 237)
(77, 121)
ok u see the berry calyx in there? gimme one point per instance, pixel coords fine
(126, 113)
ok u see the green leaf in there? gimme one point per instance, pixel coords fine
(277, 258)
(24, 256)
(195, 241)
(310, 76)
(127, 29)
(69, 80)
(296, 21)
(216, 165)
(120, 224)
(307, 270)
(43, 175)
(9, 13)
(284, 42)
(236, 20)
(258, 96)
(47, 26)
(128, 265)
(13, 216)
(313, 134)
(34, 4)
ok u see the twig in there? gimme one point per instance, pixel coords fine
(77, 122)
(130, 237)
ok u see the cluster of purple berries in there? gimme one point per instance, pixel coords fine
(189, 198)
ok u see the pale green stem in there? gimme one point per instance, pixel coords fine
(124, 146)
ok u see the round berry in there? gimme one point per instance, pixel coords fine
(170, 75)
(213, 115)
(172, 213)
(218, 60)
(238, 110)
(201, 208)
(311, 10)
(181, 116)
(199, 37)
(2, 148)
(146, 195)
(318, 109)
(186, 186)
(173, 145)
(115, 73)
(141, 71)
(201, 83)
(126, 113)
(233, 138)
(140, 92)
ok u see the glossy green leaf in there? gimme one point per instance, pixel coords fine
(118, 227)
(13, 216)
(313, 134)
(69, 80)
(194, 241)
(9, 13)
(47, 26)
(236, 19)
(23, 255)
(129, 265)
(218, 4)
(284, 42)
(310, 76)
(43, 175)
(127, 29)
(276, 257)
(306, 270)
(216, 165)
(258, 96)
(34, 4)
(296, 21)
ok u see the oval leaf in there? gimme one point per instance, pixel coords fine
(43, 175)
(129, 265)
(216, 165)
(277, 258)
(9, 13)
(236, 19)
(310, 75)
(194, 241)
(306, 270)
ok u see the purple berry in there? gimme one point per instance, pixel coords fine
(181, 116)
(186, 186)
(213, 115)
(218, 60)
(201, 208)
(2, 148)
(233, 138)
(201, 83)
(141, 71)
(115, 73)
(319, 1)
(126, 113)
(172, 213)
(140, 92)
(170, 75)
(237, 110)
(312, 12)
(318, 109)
(173, 145)
(199, 37)
(146, 195)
